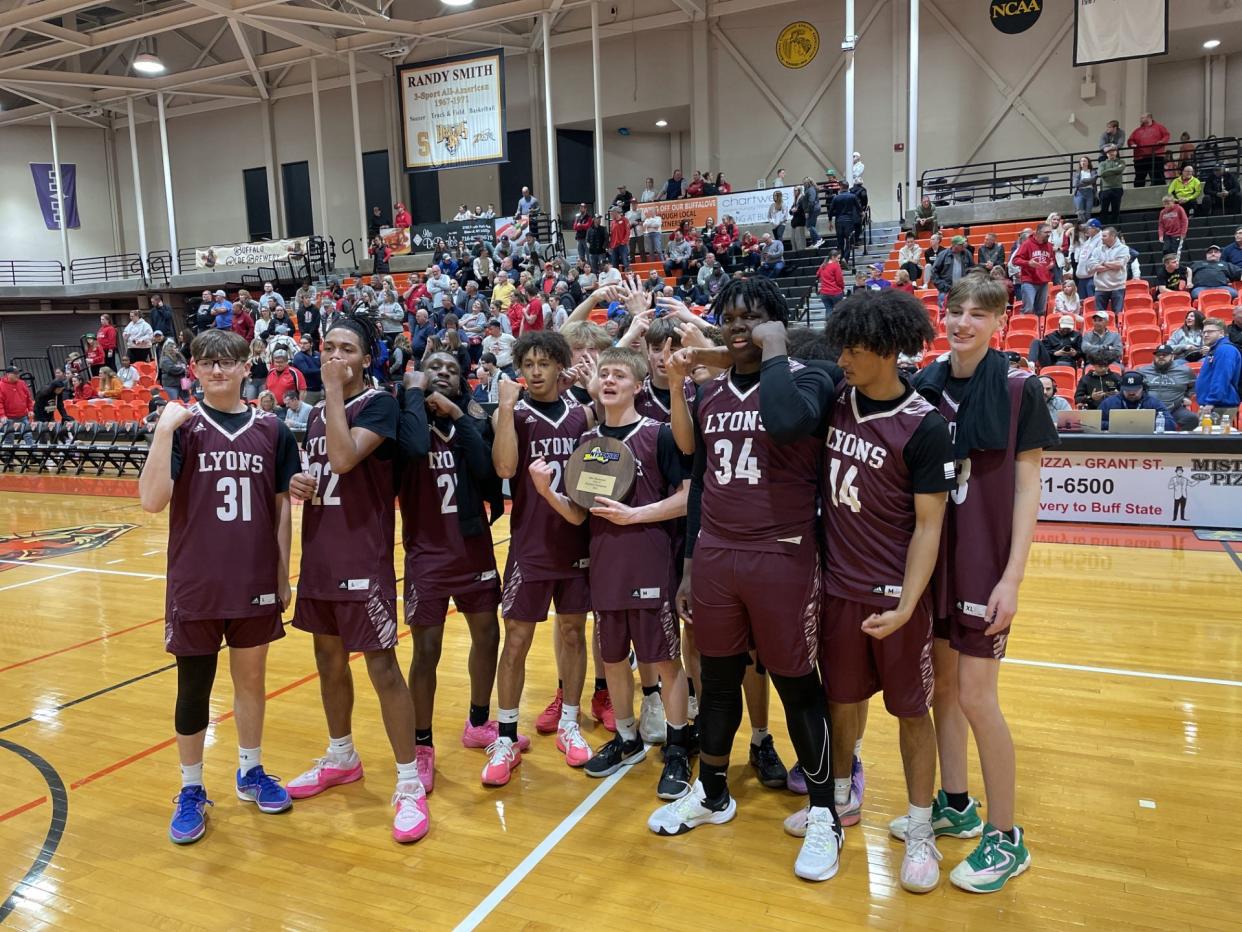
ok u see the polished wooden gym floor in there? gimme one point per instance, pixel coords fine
(1124, 692)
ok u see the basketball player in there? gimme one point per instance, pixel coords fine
(1000, 426)
(632, 589)
(888, 464)
(347, 591)
(548, 556)
(448, 547)
(225, 468)
(751, 573)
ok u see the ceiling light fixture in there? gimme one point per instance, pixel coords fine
(457, 2)
(148, 63)
(661, 123)
(1211, 43)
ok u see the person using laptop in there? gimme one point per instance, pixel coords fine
(1135, 397)
(1096, 384)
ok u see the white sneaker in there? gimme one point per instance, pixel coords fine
(651, 720)
(920, 868)
(689, 812)
(821, 848)
(411, 818)
(795, 824)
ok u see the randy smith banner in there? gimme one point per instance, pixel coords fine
(453, 111)
(249, 254)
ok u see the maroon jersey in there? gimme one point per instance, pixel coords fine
(348, 526)
(634, 563)
(223, 517)
(869, 497)
(544, 545)
(756, 495)
(439, 561)
(648, 401)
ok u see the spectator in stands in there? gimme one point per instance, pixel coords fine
(391, 315)
(257, 364)
(499, 345)
(309, 319)
(306, 361)
(270, 292)
(1234, 331)
(1001, 274)
(1067, 301)
(1213, 273)
(437, 283)
(243, 323)
(1086, 181)
(527, 204)
(283, 377)
(50, 401)
(400, 359)
(1133, 396)
(1086, 241)
(910, 256)
(375, 223)
(1187, 340)
(778, 215)
(1034, 260)
(648, 193)
(677, 256)
(925, 220)
(1186, 189)
(16, 403)
(618, 237)
(856, 169)
(930, 254)
(1054, 401)
(490, 375)
(401, 218)
(110, 387)
(798, 217)
(722, 186)
(1172, 382)
(597, 243)
(673, 188)
(1172, 224)
(653, 239)
(1217, 384)
(263, 326)
(463, 213)
(1221, 194)
(608, 275)
(831, 281)
(283, 326)
(81, 387)
(489, 214)
(582, 223)
(1148, 140)
(1107, 264)
(623, 199)
(991, 253)
(203, 318)
(875, 280)
(1061, 347)
(1112, 137)
(1099, 341)
(1096, 384)
(1233, 252)
(695, 187)
(380, 253)
(424, 328)
(772, 256)
(138, 335)
(845, 211)
(297, 412)
(901, 281)
(128, 375)
(950, 266)
(94, 354)
(172, 371)
(105, 337)
(1110, 172)
(221, 312)
(267, 402)
(1173, 276)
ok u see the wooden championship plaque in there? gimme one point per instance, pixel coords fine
(599, 466)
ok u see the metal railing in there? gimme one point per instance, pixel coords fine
(107, 268)
(1036, 176)
(16, 272)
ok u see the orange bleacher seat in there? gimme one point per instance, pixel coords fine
(1139, 356)
(1025, 323)
(1144, 334)
(1139, 317)
(127, 395)
(1175, 299)
(1195, 366)
(940, 344)
(598, 315)
(1220, 312)
(1211, 299)
(922, 293)
(1087, 307)
(1138, 302)
(1066, 378)
(1173, 317)
(1019, 342)
(1137, 286)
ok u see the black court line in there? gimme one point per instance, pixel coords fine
(1237, 560)
(60, 814)
(96, 694)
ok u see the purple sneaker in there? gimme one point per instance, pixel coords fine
(858, 782)
(796, 781)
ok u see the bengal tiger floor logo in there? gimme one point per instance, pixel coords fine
(57, 542)
(452, 135)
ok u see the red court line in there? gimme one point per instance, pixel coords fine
(124, 763)
(23, 808)
(65, 650)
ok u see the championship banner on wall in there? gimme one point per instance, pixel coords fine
(248, 254)
(453, 111)
(45, 181)
(1169, 489)
(1114, 30)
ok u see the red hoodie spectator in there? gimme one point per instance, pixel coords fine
(722, 240)
(15, 398)
(618, 232)
(831, 280)
(243, 323)
(1149, 138)
(1034, 259)
(1173, 222)
(402, 219)
(105, 336)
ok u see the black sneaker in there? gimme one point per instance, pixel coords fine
(767, 764)
(614, 755)
(675, 780)
(692, 743)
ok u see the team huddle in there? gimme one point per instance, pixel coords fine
(826, 522)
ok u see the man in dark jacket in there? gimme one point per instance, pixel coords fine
(597, 243)
(1061, 347)
(162, 318)
(950, 266)
(1135, 397)
(1221, 194)
(846, 212)
(1097, 383)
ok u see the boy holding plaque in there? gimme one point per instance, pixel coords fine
(634, 540)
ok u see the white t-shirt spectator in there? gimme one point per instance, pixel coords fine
(611, 277)
(128, 375)
(138, 334)
(501, 347)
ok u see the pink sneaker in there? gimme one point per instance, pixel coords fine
(601, 710)
(482, 736)
(569, 741)
(411, 819)
(550, 717)
(326, 773)
(502, 759)
(425, 761)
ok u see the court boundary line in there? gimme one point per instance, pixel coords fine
(55, 829)
(31, 582)
(1237, 560)
(1119, 671)
(80, 569)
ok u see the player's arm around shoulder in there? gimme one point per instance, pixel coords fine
(155, 483)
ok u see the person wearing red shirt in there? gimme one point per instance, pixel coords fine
(722, 186)
(1172, 225)
(243, 323)
(1034, 260)
(695, 188)
(619, 238)
(105, 336)
(1148, 141)
(283, 377)
(582, 223)
(516, 312)
(831, 281)
(722, 242)
(533, 314)
(16, 403)
(402, 219)
(94, 354)
(82, 388)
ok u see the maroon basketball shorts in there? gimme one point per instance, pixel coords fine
(364, 626)
(194, 637)
(856, 666)
(529, 599)
(964, 632)
(746, 599)
(653, 632)
(470, 599)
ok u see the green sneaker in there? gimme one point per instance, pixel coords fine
(946, 821)
(993, 862)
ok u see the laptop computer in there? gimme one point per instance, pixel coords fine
(1078, 422)
(1125, 421)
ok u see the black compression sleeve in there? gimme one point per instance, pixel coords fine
(695, 501)
(474, 448)
(793, 404)
(413, 436)
(195, 676)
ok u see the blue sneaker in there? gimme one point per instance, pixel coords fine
(189, 822)
(263, 790)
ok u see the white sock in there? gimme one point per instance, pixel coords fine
(627, 728)
(920, 815)
(841, 791)
(192, 774)
(248, 759)
(569, 714)
(757, 736)
(407, 773)
(341, 749)
(858, 748)
(506, 715)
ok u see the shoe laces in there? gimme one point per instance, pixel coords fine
(408, 793)
(986, 852)
(922, 846)
(571, 734)
(265, 780)
(687, 806)
(190, 798)
(821, 835)
(766, 753)
(500, 749)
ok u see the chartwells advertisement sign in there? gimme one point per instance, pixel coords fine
(1014, 16)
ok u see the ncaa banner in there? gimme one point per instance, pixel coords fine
(45, 182)
(453, 111)
(1114, 30)
(248, 254)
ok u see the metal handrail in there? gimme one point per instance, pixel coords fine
(119, 267)
(1035, 175)
(16, 272)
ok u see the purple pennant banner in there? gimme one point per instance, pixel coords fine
(45, 181)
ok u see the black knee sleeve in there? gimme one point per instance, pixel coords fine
(810, 730)
(195, 676)
(720, 704)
